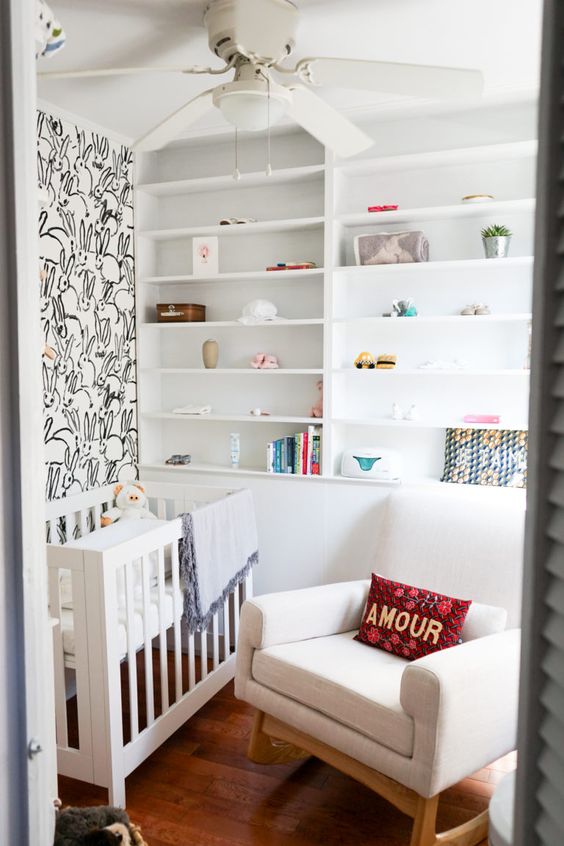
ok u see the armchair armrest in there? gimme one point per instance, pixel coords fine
(464, 703)
(296, 615)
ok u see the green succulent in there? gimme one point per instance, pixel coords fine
(496, 231)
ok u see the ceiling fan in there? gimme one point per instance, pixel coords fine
(254, 38)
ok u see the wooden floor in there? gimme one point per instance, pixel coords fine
(199, 789)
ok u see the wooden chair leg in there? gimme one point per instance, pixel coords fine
(424, 832)
(267, 750)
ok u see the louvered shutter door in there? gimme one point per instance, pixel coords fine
(539, 805)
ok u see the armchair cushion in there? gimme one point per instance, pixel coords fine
(340, 678)
(411, 621)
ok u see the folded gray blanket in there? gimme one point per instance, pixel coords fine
(391, 248)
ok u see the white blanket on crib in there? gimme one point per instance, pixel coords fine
(218, 547)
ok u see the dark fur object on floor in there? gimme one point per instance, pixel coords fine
(89, 827)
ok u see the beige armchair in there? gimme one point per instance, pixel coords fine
(408, 730)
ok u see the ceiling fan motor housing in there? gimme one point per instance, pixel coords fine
(221, 19)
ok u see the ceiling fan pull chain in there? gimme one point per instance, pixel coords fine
(236, 172)
(268, 165)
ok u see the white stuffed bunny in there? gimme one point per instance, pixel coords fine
(131, 504)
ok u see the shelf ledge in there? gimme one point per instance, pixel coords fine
(231, 418)
(258, 228)
(510, 263)
(460, 210)
(232, 371)
(208, 184)
(235, 324)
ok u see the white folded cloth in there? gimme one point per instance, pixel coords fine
(259, 311)
(193, 409)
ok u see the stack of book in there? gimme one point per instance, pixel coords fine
(299, 454)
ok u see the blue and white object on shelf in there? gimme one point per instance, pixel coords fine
(384, 465)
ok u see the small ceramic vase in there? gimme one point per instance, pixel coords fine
(210, 353)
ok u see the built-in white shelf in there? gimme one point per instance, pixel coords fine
(424, 371)
(441, 158)
(389, 423)
(248, 471)
(239, 276)
(320, 205)
(300, 224)
(460, 210)
(450, 265)
(469, 319)
(231, 418)
(231, 371)
(255, 179)
(231, 324)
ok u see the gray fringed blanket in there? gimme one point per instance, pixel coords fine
(391, 248)
(218, 548)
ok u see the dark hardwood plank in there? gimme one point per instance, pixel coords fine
(199, 789)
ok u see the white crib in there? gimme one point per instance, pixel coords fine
(119, 625)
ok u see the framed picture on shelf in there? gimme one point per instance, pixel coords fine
(205, 254)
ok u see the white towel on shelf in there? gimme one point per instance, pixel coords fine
(193, 409)
(218, 548)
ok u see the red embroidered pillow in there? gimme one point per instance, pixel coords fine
(411, 622)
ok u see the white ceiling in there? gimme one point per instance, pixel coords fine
(501, 37)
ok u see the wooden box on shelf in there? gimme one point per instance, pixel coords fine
(181, 313)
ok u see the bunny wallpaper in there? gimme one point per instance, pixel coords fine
(88, 308)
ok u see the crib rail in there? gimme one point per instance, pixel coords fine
(131, 674)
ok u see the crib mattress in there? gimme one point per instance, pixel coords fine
(67, 622)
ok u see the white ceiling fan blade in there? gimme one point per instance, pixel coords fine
(327, 124)
(173, 126)
(263, 28)
(393, 77)
(101, 72)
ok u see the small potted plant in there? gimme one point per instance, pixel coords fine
(496, 240)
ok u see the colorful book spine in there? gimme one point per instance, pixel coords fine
(316, 457)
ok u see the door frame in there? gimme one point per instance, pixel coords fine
(28, 783)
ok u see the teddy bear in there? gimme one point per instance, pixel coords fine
(317, 409)
(97, 826)
(131, 504)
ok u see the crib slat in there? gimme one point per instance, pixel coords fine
(147, 647)
(59, 659)
(83, 522)
(235, 596)
(70, 523)
(53, 535)
(97, 516)
(226, 630)
(203, 654)
(191, 662)
(215, 630)
(83, 691)
(161, 508)
(131, 654)
(176, 612)
(162, 631)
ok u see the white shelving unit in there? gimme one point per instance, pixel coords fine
(311, 208)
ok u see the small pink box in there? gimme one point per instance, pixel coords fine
(482, 418)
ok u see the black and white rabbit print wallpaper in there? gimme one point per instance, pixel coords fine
(88, 308)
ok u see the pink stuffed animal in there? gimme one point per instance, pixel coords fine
(317, 409)
(265, 361)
